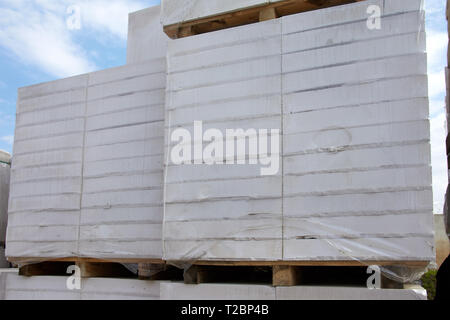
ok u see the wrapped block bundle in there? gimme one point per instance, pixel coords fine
(228, 80)
(347, 91)
(87, 170)
(45, 195)
(121, 207)
(87, 177)
(146, 38)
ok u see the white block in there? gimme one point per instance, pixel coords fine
(355, 51)
(146, 39)
(358, 181)
(358, 204)
(180, 291)
(49, 88)
(107, 125)
(353, 31)
(347, 293)
(344, 14)
(358, 226)
(366, 249)
(16, 287)
(227, 292)
(358, 94)
(355, 127)
(223, 250)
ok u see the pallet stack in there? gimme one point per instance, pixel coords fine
(87, 176)
(354, 182)
(94, 183)
(14, 287)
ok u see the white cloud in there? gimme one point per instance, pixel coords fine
(109, 16)
(35, 32)
(40, 39)
(8, 139)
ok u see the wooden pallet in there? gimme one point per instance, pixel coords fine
(291, 273)
(248, 16)
(151, 269)
(276, 273)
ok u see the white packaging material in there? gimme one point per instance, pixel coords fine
(228, 80)
(87, 170)
(55, 288)
(121, 209)
(180, 291)
(354, 181)
(45, 194)
(146, 38)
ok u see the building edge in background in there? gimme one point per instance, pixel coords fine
(5, 168)
(447, 102)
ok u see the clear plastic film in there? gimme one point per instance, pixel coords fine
(89, 185)
(353, 184)
(335, 101)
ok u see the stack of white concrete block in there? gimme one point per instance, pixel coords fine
(5, 168)
(228, 80)
(357, 176)
(45, 193)
(87, 172)
(15, 287)
(121, 209)
(180, 291)
(351, 101)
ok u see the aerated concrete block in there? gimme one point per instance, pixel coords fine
(355, 134)
(17, 287)
(146, 39)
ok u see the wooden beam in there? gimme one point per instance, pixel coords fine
(30, 260)
(284, 276)
(185, 31)
(267, 14)
(334, 263)
(99, 270)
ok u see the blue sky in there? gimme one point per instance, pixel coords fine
(36, 46)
